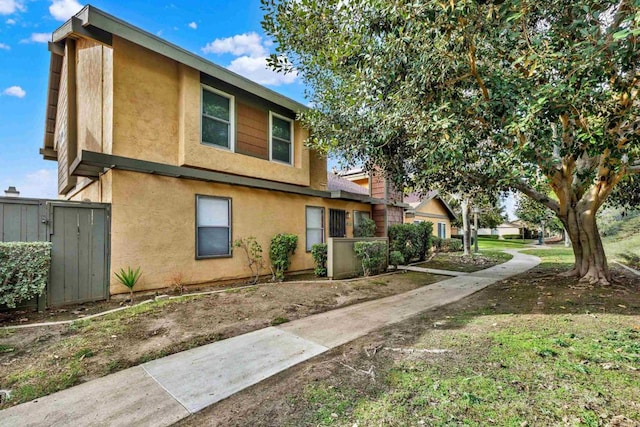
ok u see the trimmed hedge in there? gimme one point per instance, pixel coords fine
(451, 245)
(280, 251)
(24, 269)
(488, 237)
(319, 254)
(411, 240)
(366, 228)
(512, 236)
(372, 255)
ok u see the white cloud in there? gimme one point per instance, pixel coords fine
(251, 51)
(10, 21)
(5, 46)
(193, 25)
(256, 69)
(64, 9)
(37, 38)
(16, 91)
(241, 44)
(42, 183)
(7, 7)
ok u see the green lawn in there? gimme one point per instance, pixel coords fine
(624, 246)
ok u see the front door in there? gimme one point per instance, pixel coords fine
(337, 223)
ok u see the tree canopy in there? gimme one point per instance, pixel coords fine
(508, 94)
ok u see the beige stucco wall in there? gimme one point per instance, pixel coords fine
(433, 211)
(153, 226)
(156, 117)
(93, 96)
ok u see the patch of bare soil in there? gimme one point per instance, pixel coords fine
(38, 361)
(457, 262)
(326, 389)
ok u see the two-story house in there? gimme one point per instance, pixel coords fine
(190, 155)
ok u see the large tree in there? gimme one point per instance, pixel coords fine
(509, 94)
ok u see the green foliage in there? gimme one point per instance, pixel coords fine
(24, 269)
(437, 242)
(319, 254)
(451, 245)
(253, 252)
(411, 240)
(366, 228)
(405, 238)
(396, 258)
(280, 251)
(372, 255)
(534, 213)
(512, 236)
(129, 278)
(472, 95)
(489, 237)
(424, 232)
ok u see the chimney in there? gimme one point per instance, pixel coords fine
(11, 192)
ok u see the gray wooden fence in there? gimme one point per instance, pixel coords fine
(79, 234)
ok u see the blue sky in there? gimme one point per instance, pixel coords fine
(225, 32)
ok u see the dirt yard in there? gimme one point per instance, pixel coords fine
(535, 349)
(38, 361)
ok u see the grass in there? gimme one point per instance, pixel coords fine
(502, 369)
(624, 245)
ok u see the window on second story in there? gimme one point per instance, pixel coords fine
(281, 139)
(217, 118)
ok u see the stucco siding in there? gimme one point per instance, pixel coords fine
(146, 103)
(153, 226)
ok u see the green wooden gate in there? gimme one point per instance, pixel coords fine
(80, 251)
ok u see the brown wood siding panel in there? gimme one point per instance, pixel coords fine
(252, 131)
(378, 215)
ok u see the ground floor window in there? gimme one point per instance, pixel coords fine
(213, 227)
(315, 226)
(442, 230)
(358, 216)
(337, 223)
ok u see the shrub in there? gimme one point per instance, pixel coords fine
(404, 238)
(319, 254)
(372, 255)
(253, 252)
(280, 251)
(457, 236)
(512, 236)
(365, 228)
(424, 230)
(488, 237)
(395, 259)
(437, 243)
(24, 269)
(129, 278)
(451, 245)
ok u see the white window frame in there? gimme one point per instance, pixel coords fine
(306, 226)
(291, 149)
(230, 226)
(232, 117)
(444, 230)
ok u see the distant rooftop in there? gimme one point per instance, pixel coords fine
(337, 183)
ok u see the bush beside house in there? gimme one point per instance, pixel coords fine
(411, 240)
(372, 255)
(24, 269)
(280, 251)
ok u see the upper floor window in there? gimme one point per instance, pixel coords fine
(281, 139)
(217, 118)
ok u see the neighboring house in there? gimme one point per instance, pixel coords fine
(190, 155)
(431, 208)
(377, 186)
(507, 228)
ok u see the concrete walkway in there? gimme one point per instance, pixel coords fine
(163, 391)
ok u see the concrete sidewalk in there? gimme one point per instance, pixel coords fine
(163, 391)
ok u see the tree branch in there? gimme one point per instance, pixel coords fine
(537, 196)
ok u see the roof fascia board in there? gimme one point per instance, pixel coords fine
(99, 19)
(91, 164)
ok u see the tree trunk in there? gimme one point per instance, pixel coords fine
(466, 226)
(590, 260)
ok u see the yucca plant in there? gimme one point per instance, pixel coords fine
(129, 278)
